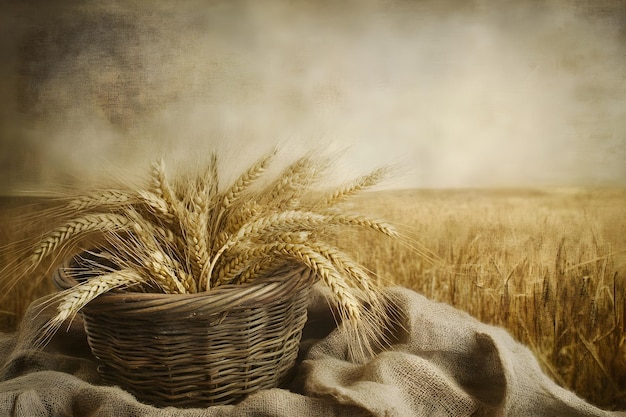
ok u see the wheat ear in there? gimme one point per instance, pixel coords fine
(296, 221)
(348, 219)
(244, 262)
(246, 179)
(79, 296)
(159, 264)
(196, 226)
(101, 199)
(57, 238)
(261, 268)
(315, 261)
(235, 218)
(351, 269)
(214, 177)
(276, 221)
(163, 189)
(244, 265)
(286, 190)
(74, 299)
(156, 204)
(342, 193)
(349, 305)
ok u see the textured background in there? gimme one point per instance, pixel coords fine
(460, 93)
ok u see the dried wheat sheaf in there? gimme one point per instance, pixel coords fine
(187, 234)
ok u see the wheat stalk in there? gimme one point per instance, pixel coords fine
(187, 235)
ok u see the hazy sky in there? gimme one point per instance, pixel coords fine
(457, 92)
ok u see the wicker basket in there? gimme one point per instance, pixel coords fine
(196, 350)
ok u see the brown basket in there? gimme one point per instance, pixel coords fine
(196, 350)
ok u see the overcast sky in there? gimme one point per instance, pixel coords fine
(457, 93)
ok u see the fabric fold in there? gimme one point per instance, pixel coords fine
(440, 362)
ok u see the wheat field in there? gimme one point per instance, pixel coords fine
(548, 265)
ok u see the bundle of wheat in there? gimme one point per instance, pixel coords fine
(187, 235)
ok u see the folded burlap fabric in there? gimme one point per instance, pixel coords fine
(441, 362)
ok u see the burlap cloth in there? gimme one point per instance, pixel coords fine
(441, 363)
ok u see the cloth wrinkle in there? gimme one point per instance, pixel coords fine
(439, 362)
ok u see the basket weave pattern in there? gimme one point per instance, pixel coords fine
(195, 350)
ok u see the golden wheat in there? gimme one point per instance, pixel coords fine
(246, 179)
(199, 247)
(100, 199)
(195, 229)
(527, 260)
(342, 193)
(285, 192)
(183, 234)
(261, 268)
(156, 204)
(546, 264)
(162, 267)
(213, 178)
(342, 262)
(58, 238)
(74, 299)
(243, 264)
(329, 268)
(274, 222)
(293, 220)
(335, 281)
(236, 218)
(162, 188)
(80, 295)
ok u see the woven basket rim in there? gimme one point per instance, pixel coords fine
(215, 300)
